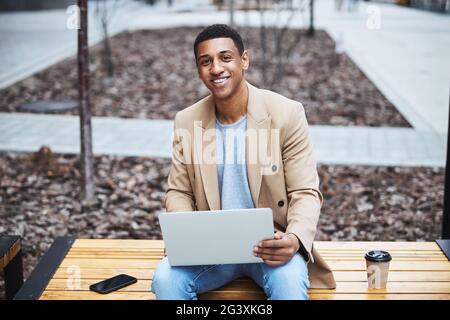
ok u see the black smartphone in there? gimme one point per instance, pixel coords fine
(112, 284)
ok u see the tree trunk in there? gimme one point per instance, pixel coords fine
(263, 39)
(311, 19)
(107, 53)
(231, 13)
(87, 159)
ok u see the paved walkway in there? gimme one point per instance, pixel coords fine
(134, 137)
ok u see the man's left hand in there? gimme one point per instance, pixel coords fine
(278, 251)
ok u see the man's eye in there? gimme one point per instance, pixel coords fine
(226, 58)
(204, 62)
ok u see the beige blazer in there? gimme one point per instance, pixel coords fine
(281, 168)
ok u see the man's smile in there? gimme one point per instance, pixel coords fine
(220, 81)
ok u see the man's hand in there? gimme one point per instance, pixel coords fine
(278, 251)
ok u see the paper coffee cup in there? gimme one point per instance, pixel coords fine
(377, 262)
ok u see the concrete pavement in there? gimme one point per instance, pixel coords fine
(24, 132)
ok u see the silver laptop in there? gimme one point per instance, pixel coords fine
(215, 237)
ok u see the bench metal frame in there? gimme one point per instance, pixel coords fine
(13, 268)
(446, 212)
(46, 268)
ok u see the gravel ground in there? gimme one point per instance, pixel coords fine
(156, 77)
(38, 195)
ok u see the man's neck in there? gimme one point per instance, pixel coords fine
(231, 110)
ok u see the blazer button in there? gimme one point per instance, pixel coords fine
(274, 168)
(280, 203)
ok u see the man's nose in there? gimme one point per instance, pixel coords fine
(216, 68)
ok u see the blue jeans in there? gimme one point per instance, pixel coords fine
(286, 282)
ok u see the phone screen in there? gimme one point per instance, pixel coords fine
(113, 283)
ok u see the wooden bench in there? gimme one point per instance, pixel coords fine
(11, 263)
(419, 270)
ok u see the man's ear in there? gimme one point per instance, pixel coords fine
(245, 60)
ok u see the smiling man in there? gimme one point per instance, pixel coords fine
(233, 179)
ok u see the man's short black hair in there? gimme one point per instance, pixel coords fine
(219, 31)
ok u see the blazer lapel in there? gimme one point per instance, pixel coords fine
(205, 149)
(258, 140)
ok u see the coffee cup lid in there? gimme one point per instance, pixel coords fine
(378, 256)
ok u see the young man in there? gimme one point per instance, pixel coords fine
(204, 176)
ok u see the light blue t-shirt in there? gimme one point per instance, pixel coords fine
(231, 165)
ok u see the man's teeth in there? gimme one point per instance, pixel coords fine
(220, 80)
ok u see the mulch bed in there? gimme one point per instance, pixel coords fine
(38, 195)
(156, 77)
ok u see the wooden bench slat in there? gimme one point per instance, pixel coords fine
(393, 266)
(396, 260)
(111, 263)
(64, 285)
(393, 254)
(116, 251)
(141, 285)
(362, 252)
(115, 255)
(232, 295)
(250, 286)
(334, 264)
(160, 251)
(397, 276)
(105, 273)
(119, 249)
(90, 295)
(215, 295)
(392, 287)
(158, 258)
(337, 245)
(322, 250)
(119, 256)
(160, 255)
(118, 243)
(370, 245)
